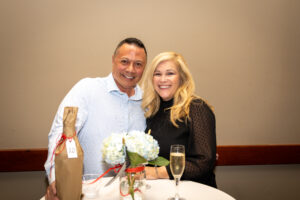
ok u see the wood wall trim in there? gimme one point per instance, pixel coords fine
(259, 154)
(14, 160)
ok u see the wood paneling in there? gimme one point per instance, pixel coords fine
(33, 159)
(259, 155)
(22, 160)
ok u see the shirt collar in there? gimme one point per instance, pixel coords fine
(112, 87)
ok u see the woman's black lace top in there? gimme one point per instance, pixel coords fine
(198, 136)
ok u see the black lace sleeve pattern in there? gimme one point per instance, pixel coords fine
(201, 151)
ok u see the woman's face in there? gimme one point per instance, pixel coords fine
(166, 80)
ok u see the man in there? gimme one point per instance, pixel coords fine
(105, 105)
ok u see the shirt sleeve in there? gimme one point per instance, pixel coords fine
(201, 152)
(76, 97)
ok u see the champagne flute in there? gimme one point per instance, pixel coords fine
(177, 164)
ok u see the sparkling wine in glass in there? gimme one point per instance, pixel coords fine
(177, 164)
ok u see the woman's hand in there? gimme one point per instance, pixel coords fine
(159, 172)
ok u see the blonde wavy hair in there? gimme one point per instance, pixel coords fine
(183, 96)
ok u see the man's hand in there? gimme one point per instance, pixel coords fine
(51, 192)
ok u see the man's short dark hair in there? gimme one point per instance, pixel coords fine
(133, 41)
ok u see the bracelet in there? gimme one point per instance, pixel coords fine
(156, 171)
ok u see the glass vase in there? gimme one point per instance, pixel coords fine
(133, 183)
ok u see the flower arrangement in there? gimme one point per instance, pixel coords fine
(136, 147)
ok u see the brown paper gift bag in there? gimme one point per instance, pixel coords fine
(69, 159)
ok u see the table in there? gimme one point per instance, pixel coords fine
(162, 189)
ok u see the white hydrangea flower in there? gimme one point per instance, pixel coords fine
(112, 149)
(136, 141)
(142, 144)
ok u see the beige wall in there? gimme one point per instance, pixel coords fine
(243, 56)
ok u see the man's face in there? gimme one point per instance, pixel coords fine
(128, 66)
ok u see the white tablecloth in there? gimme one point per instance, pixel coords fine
(162, 189)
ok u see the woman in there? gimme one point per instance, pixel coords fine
(175, 115)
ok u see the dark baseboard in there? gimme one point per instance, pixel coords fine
(15, 160)
(259, 154)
